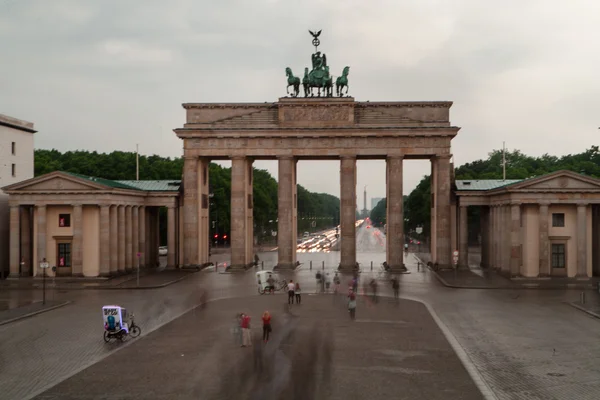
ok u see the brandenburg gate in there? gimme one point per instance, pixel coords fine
(319, 127)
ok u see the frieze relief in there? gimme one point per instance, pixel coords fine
(332, 113)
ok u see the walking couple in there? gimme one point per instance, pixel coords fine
(294, 290)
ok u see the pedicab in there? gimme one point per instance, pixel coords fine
(118, 324)
(269, 281)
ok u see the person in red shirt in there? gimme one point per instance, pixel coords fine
(246, 336)
(266, 318)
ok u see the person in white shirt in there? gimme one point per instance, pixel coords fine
(291, 286)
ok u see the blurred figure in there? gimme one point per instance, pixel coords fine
(374, 289)
(336, 283)
(266, 319)
(396, 287)
(246, 334)
(327, 282)
(236, 329)
(271, 283)
(352, 304)
(291, 287)
(298, 293)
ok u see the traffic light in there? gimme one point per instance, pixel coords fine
(216, 235)
(224, 237)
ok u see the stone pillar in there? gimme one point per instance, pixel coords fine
(442, 211)
(15, 242)
(77, 248)
(395, 214)
(190, 212)
(485, 213)
(515, 239)
(433, 216)
(128, 241)
(241, 212)
(204, 211)
(348, 213)
(171, 247)
(121, 240)
(142, 235)
(41, 236)
(286, 210)
(114, 240)
(135, 240)
(104, 240)
(463, 240)
(582, 241)
(544, 242)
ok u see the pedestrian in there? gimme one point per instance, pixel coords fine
(336, 283)
(266, 319)
(374, 289)
(352, 304)
(327, 281)
(291, 287)
(256, 260)
(396, 287)
(246, 335)
(271, 284)
(236, 329)
(298, 293)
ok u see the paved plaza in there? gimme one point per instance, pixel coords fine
(521, 344)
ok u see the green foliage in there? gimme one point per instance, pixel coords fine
(379, 213)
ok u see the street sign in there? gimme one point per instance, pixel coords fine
(419, 230)
(44, 265)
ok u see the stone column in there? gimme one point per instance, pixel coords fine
(128, 241)
(135, 240)
(241, 212)
(204, 211)
(114, 240)
(41, 236)
(463, 241)
(442, 211)
(582, 241)
(15, 242)
(348, 213)
(485, 213)
(142, 236)
(544, 242)
(104, 240)
(395, 214)
(77, 249)
(190, 212)
(433, 216)
(515, 239)
(171, 247)
(121, 240)
(286, 208)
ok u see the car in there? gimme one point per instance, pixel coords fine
(162, 251)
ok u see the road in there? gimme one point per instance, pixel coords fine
(523, 344)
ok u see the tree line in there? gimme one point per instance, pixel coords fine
(417, 205)
(315, 210)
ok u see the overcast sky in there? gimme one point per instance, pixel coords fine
(105, 75)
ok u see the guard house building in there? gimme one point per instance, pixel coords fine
(89, 227)
(547, 226)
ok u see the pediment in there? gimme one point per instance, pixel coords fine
(559, 181)
(55, 182)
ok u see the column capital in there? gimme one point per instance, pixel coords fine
(105, 206)
(286, 157)
(348, 157)
(582, 205)
(442, 156)
(238, 158)
(543, 203)
(40, 206)
(515, 203)
(395, 157)
(463, 206)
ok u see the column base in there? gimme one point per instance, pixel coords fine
(348, 268)
(239, 267)
(286, 266)
(397, 269)
(13, 276)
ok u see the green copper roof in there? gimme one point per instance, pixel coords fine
(102, 181)
(484, 184)
(154, 186)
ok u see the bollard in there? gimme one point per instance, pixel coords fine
(582, 298)
(262, 265)
(323, 265)
(311, 265)
(371, 265)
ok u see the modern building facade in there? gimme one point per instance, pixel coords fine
(16, 164)
(540, 227)
(89, 227)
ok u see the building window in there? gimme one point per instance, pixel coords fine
(558, 220)
(14, 148)
(14, 169)
(64, 255)
(558, 256)
(64, 220)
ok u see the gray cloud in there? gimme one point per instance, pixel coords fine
(107, 75)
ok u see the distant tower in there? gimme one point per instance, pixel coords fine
(365, 212)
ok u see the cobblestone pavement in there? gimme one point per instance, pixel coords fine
(524, 344)
(198, 359)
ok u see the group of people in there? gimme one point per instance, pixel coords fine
(242, 330)
(294, 291)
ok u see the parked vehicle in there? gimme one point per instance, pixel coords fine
(118, 324)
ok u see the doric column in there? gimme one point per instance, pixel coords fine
(582, 241)
(544, 242)
(348, 212)
(26, 240)
(171, 248)
(485, 213)
(15, 242)
(286, 213)
(77, 249)
(463, 238)
(515, 239)
(395, 214)
(190, 212)
(121, 240)
(241, 212)
(142, 235)
(41, 236)
(135, 231)
(104, 240)
(128, 241)
(114, 240)
(442, 211)
(204, 211)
